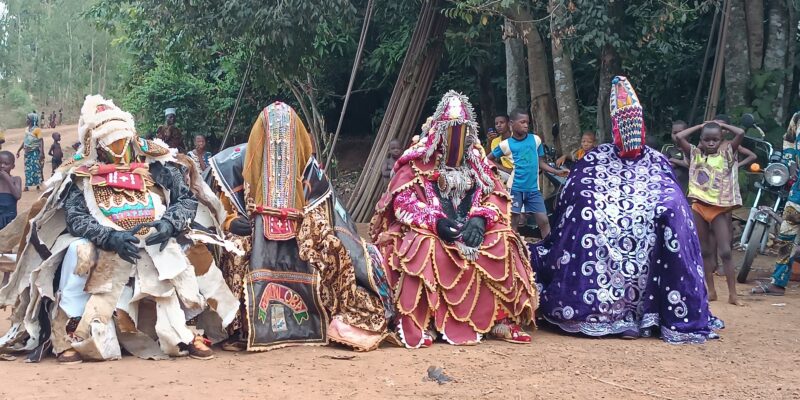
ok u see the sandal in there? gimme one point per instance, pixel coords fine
(199, 349)
(234, 345)
(510, 332)
(765, 289)
(630, 334)
(69, 357)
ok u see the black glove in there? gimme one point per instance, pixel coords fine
(240, 226)
(473, 231)
(447, 229)
(124, 244)
(164, 231)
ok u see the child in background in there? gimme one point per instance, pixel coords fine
(199, 153)
(502, 132)
(526, 152)
(10, 189)
(588, 142)
(714, 192)
(55, 152)
(395, 150)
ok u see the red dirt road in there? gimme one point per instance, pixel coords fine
(756, 358)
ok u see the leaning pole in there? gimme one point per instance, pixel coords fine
(403, 113)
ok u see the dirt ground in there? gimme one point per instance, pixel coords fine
(756, 358)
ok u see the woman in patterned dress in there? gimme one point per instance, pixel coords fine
(34, 153)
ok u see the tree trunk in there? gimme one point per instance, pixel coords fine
(791, 44)
(404, 110)
(19, 42)
(776, 52)
(610, 66)
(737, 69)
(712, 101)
(754, 13)
(542, 101)
(516, 87)
(103, 73)
(487, 107)
(91, 75)
(69, 73)
(566, 99)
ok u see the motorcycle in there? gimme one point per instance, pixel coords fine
(775, 182)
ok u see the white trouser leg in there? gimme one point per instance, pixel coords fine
(73, 297)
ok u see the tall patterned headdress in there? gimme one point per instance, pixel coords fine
(278, 150)
(627, 118)
(452, 129)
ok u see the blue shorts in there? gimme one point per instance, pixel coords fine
(533, 202)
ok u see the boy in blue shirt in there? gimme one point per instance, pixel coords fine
(525, 151)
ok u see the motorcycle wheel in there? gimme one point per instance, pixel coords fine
(753, 243)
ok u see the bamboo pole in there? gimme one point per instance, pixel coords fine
(405, 105)
(719, 65)
(707, 56)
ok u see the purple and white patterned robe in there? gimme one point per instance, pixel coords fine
(624, 255)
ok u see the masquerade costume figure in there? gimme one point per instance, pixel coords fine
(453, 261)
(309, 278)
(624, 257)
(100, 265)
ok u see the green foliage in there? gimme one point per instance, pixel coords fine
(14, 106)
(18, 98)
(169, 86)
(764, 87)
(55, 57)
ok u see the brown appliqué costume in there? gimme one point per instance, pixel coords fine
(309, 278)
(102, 303)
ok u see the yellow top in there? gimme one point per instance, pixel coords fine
(714, 179)
(504, 160)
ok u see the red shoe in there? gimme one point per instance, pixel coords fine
(427, 340)
(510, 332)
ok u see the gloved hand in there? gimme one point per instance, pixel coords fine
(473, 231)
(240, 226)
(124, 244)
(447, 229)
(164, 231)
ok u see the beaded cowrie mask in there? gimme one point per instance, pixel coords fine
(627, 118)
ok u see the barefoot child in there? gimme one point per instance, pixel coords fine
(55, 151)
(714, 192)
(395, 150)
(588, 142)
(10, 189)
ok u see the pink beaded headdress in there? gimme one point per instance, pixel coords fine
(627, 118)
